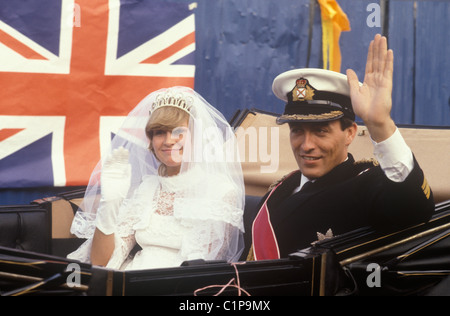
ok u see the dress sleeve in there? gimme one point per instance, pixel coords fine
(124, 236)
(214, 228)
(123, 247)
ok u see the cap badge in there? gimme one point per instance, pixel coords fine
(302, 91)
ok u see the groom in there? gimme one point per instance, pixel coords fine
(331, 192)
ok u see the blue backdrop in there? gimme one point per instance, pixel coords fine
(242, 45)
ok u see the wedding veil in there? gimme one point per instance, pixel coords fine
(213, 150)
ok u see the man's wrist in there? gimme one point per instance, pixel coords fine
(380, 131)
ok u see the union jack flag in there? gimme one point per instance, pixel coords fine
(71, 69)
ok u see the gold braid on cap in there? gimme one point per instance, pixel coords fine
(303, 117)
(178, 100)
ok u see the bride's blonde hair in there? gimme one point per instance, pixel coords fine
(166, 118)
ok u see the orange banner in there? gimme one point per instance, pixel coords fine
(334, 21)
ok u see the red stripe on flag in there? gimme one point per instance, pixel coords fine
(84, 95)
(19, 47)
(171, 50)
(8, 132)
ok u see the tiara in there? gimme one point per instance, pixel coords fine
(177, 100)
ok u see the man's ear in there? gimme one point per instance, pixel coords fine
(351, 133)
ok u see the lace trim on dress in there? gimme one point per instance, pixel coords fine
(83, 225)
(164, 203)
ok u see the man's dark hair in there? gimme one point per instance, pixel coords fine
(345, 123)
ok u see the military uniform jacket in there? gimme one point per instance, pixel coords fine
(351, 196)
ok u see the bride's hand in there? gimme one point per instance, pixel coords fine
(116, 175)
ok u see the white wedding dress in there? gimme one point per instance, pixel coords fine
(197, 214)
(169, 226)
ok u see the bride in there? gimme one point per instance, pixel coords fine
(166, 193)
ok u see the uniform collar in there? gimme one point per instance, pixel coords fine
(336, 172)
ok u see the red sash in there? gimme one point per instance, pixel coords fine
(265, 245)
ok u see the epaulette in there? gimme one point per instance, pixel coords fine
(364, 165)
(371, 162)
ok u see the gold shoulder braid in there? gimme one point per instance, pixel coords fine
(364, 165)
(369, 161)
